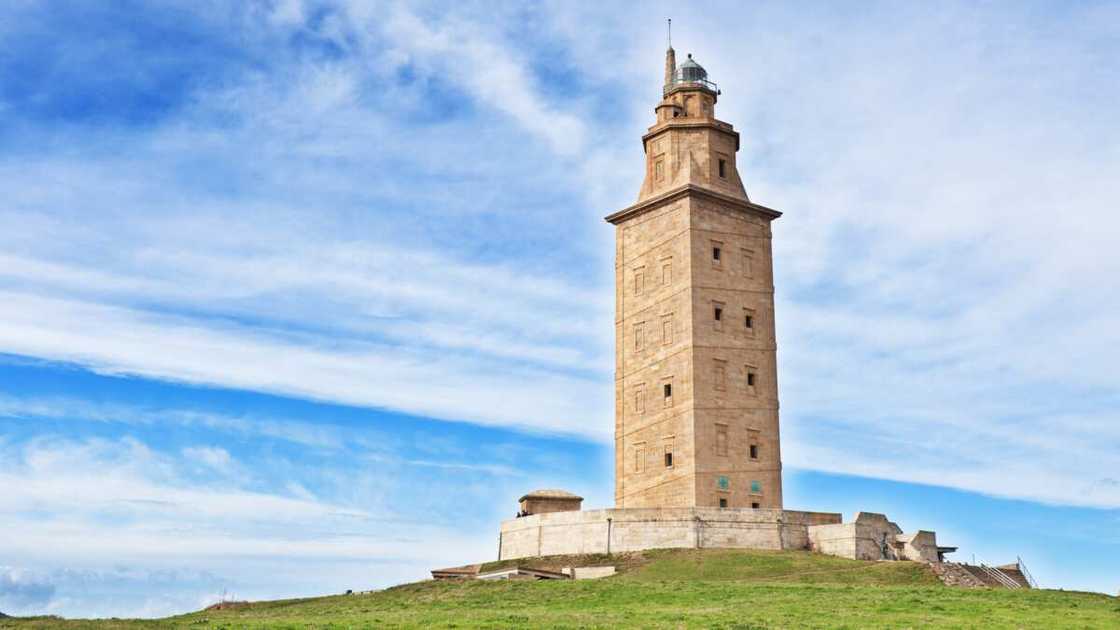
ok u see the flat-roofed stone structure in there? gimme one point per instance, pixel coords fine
(549, 500)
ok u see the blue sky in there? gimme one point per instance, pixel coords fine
(297, 297)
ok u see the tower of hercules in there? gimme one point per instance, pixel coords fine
(696, 391)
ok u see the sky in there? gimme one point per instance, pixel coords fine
(299, 297)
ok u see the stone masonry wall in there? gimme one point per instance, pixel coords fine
(736, 389)
(652, 352)
(656, 528)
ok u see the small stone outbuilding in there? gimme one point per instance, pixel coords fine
(872, 536)
(549, 500)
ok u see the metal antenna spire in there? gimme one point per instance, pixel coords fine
(669, 36)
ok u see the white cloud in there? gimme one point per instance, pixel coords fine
(306, 433)
(469, 53)
(74, 508)
(212, 456)
(358, 373)
(23, 590)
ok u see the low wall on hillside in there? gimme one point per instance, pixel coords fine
(636, 529)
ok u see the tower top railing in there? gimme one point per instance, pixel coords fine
(680, 81)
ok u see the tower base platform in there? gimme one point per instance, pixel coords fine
(868, 537)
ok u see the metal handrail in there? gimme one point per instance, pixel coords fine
(1000, 576)
(1025, 572)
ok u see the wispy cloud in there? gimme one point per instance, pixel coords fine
(73, 503)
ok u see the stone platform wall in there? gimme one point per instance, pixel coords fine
(635, 529)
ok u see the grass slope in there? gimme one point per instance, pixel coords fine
(670, 589)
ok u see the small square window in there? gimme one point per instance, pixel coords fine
(724, 483)
(756, 505)
(723, 503)
(756, 487)
(754, 451)
(668, 459)
(723, 169)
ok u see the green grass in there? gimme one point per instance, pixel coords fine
(671, 589)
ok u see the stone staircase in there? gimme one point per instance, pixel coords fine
(982, 576)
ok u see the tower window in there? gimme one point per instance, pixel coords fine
(715, 253)
(723, 503)
(721, 440)
(668, 390)
(639, 335)
(640, 459)
(723, 169)
(718, 313)
(639, 280)
(668, 459)
(756, 487)
(748, 321)
(724, 483)
(667, 330)
(754, 451)
(640, 398)
(750, 379)
(756, 505)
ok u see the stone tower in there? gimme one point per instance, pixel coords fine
(696, 390)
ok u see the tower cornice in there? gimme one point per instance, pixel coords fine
(711, 123)
(684, 191)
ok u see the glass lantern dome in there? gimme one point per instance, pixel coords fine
(691, 73)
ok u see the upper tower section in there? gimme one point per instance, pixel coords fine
(687, 144)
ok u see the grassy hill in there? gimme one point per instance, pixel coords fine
(670, 589)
